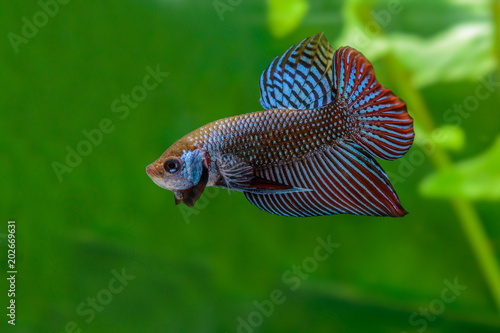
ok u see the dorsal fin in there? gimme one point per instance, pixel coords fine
(310, 75)
(301, 78)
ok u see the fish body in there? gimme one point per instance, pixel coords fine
(311, 151)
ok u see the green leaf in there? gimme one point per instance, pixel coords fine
(355, 33)
(462, 49)
(465, 51)
(447, 137)
(474, 179)
(285, 15)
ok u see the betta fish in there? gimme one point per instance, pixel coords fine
(312, 150)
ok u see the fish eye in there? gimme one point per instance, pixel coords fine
(172, 165)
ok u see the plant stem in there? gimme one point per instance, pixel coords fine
(467, 215)
(473, 228)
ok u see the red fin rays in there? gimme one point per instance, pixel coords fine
(384, 127)
(342, 180)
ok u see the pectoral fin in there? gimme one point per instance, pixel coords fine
(239, 176)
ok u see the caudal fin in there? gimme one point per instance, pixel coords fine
(382, 125)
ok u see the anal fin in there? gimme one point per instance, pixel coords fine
(260, 185)
(344, 179)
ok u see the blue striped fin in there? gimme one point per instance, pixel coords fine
(386, 128)
(343, 180)
(301, 78)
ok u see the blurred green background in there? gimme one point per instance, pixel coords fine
(200, 270)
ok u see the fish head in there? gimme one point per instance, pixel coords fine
(182, 171)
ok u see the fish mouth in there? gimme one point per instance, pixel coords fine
(156, 176)
(152, 171)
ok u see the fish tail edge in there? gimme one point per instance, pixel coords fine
(381, 122)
